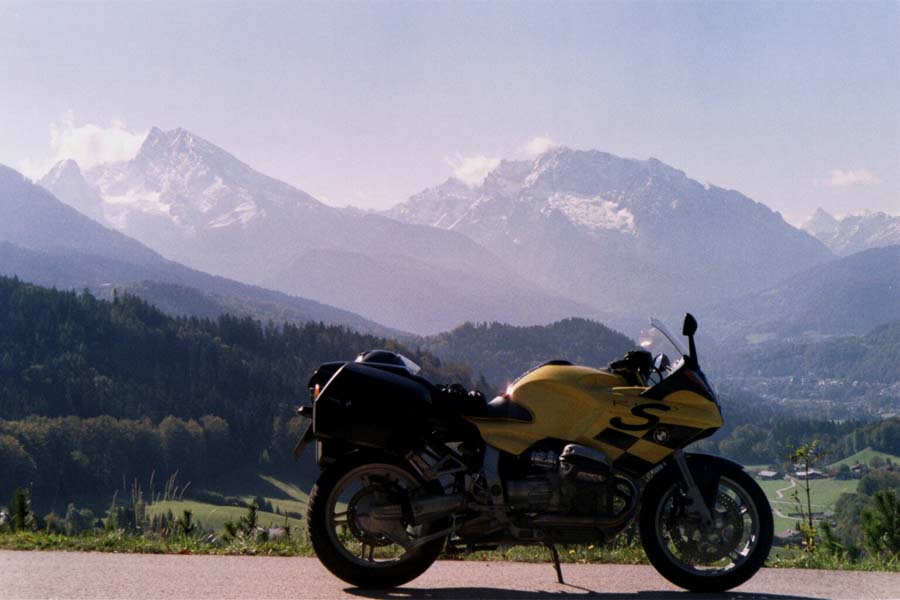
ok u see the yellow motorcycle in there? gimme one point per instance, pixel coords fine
(566, 455)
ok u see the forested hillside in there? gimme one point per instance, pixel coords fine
(97, 393)
(502, 352)
(846, 377)
(117, 370)
(758, 431)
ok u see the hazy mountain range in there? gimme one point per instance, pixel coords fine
(852, 294)
(47, 242)
(625, 234)
(197, 204)
(854, 233)
(568, 233)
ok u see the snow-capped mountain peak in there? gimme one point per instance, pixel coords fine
(178, 190)
(821, 224)
(66, 169)
(591, 213)
(65, 179)
(580, 220)
(185, 181)
(854, 233)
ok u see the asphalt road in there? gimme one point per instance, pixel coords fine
(98, 575)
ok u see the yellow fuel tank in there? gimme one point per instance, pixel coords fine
(598, 409)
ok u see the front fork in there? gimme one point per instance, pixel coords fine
(693, 490)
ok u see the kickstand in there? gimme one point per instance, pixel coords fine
(555, 556)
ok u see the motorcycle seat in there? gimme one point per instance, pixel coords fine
(456, 400)
(502, 407)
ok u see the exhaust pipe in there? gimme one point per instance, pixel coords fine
(587, 522)
(435, 507)
(425, 509)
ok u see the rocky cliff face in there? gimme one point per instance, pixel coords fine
(619, 233)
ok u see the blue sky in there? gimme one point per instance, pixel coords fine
(795, 104)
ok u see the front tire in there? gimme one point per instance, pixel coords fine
(696, 558)
(353, 545)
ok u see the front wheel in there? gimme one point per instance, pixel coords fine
(356, 524)
(699, 558)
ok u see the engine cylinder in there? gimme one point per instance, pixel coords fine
(547, 459)
(583, 464)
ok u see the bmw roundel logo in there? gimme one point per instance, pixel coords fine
(661, 435)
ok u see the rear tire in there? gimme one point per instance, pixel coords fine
(321, 511)
(683, 554)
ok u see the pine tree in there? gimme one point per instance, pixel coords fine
(20, 510)
(249, 522)
(72, 523)
(881, 523)
(185, 523)
(112, 516)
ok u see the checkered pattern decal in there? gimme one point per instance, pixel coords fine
(637, 454)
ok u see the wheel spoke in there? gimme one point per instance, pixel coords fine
(699, 551)
(356, 530)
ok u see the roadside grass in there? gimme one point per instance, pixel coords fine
(796, 558)
(121, 541)
(287, 496)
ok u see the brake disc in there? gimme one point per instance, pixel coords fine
(699, 545)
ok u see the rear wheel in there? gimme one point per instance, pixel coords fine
(359, 527)
(700, 558)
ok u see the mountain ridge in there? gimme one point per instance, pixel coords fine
(590, 224)
(851, 294)
(46, 241)
(197, 204)
(853, 233)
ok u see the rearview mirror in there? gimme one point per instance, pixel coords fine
(690, 325)
(661, 363)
